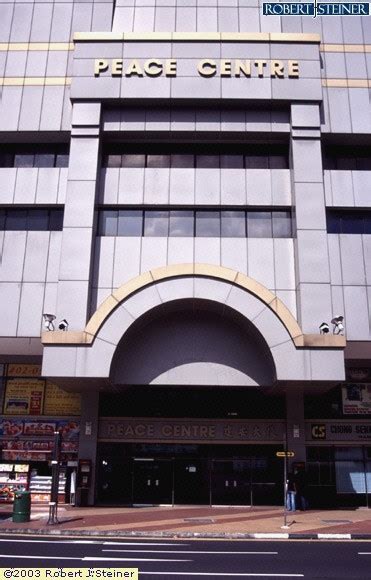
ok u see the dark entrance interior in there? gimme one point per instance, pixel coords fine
(154, 474)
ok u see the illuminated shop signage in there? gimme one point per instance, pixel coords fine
(189, 430)
(207, 68)
(341, 431)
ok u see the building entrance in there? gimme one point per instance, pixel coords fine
(194, 474)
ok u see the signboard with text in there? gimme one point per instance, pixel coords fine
(356, 399)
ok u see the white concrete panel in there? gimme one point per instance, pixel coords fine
(284, 264)
(233, 186)
(315, 306)
(156, 186)
(50, 297)
(208, 186)
(327, 365)
(127, 260)
(54, 256)
(182, 186)
(313, 256)
(362, 186)
(25, 186)
(103, 261)
(109, 185)
(281, 186)
(207, 289)
(367, 257)
(352, 259)
(47, 185)
(14, 249)
(176, 289)
(258, 187)
(180, 250)
(62, 186)
(117, 324)
(234, 254)
(55, 358)
(31, 309)
(94, 362)
(342, 188)
(271, 328)
(75, 254)
(7, 184)
(207, 251)
(79, 206)
(310, 206)
(245, 303)
(131, 185)
(356, 321)
(9, 306)
(75, 311)
(154, 253)
(288, 297)
(335, 260)
(292, 364)
(260, 261)
(36, 257)
(142, 302)
(337, 295)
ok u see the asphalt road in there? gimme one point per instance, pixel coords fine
(193, 559)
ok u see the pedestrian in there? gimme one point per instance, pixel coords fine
(291, 492)
(300, 485)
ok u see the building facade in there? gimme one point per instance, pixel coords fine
(185, 191)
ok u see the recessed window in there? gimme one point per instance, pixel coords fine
(348, 222)
(31, 219)
(40, 155)
(156, 223)
(181, 224)
(233, 224)
(259, 224)
(130, 223)
(208, 224)
(281, 222)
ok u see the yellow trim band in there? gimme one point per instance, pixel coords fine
(195, 37)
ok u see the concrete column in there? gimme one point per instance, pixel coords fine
(78, 226)
(89, 434)
(295, 423)
(311, 247)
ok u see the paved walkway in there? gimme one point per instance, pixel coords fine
(196, 519)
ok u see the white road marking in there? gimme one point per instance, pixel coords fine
(141, 544)
(101, 559)
(40, 557)
(364, 553)
(190, 552)
(334, 536)
(54, 541)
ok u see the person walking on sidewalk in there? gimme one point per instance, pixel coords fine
(300, 486)
(291, 492)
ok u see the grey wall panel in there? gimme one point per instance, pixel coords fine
(36, 257)
(207, 251)
(52, 108)
(73, 310)
(328, 187)
(302, 151)
(36, 63)
(359, 101)
(312, 259)
(154, 253)
(6, 15)
(3, 56)
(10, 105)
(109, 185)
(233, 186)
(339, 108)
(61, 23)
(310, 206)
(182, 186)
(357, 325)
(102, 16)
(332, 30)
(21, 23)
(62, 185)
(83, 156)
(156, 186)
(288, 297)
(355, 65)
(228, 19)
(180, 250)
(12, 262)
(82, 16)
(249, 19)
(31, 309)
(186, 19)
(41, 22)
(207, 186)
(335, 259)
(25, 185)
(315, 306)
(281, 187)
(123, 19)
(7, 184)
(260, 261)
(144, 19)
(258, 187)
(342, 188)
(165, 19)
(157, 120)
(367, 257)
(79, 210)
(16, 63)
(50, 298)
(131, 185)
(207, 120)
(352, 260)
(104, 253)
(57, 63)
(67, 110)
(362, 188)
(233, 120)
(54, 256)
(284, 264)
(234, 254)
(75, 254)
(126, 260)
(207, 19)
(133, 120)
(337, 295)
(352, 31)
(9, 306)
(334, 65)
(29, 119)
(183, 120)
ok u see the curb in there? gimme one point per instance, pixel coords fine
(184, 535)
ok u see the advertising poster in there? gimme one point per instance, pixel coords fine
(60, 402)
(24, 397)
(357, 399)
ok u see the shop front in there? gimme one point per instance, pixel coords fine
(172, 461)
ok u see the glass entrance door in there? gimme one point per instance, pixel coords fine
(152, 481)
(191, 481)
(231, 482)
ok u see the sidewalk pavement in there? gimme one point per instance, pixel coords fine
(193, 521)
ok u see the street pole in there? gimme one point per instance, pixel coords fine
(53, 504)
(285, 484)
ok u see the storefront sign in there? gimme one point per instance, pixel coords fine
(342, 431)
(23, 370)
(186, 430)
(357, 399)
(24, 397)
(60, 402)
(206, 68)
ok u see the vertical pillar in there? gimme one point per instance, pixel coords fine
(311, 247)
(78, 225)
(89, 434)
(295, 422)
